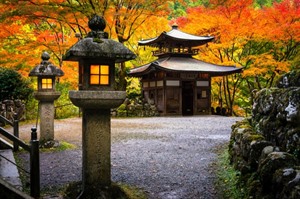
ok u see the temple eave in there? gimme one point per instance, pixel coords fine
(184, 65)
(211, 73)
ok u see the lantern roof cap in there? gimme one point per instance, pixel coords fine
(46, 68)
(96, 45)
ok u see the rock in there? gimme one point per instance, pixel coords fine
(293, 107)
(280, 178)
(136, 109)
(274, 161)
(266, 147)
(266, 151)
(256, 148)
(50, 144)
(273, 120)
(247, 139)
(291, 182)
(291, 79)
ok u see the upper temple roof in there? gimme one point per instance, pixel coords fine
(175, 38)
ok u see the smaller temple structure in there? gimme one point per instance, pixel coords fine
(176, 82)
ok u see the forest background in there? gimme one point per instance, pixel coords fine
(262, 36)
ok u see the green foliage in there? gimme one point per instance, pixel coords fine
(265, 3)
(179, 9)
(61, 147)
(133, 90)
(122, 112)
(31, 108)
(63, 106)
(122, 107)
(65, 146)
(115, 191)
(13, 86)
(228, 181)
(132, 192)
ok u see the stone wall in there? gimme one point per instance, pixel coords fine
(135, 108)
(10, 107)
(266, 147)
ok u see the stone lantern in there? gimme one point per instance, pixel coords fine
(97, 55)
(46, 73)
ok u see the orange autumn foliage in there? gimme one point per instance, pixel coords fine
(35, 26)
(265, 42)
(235, 24)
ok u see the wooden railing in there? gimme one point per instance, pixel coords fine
(32, 148)
(15, 125)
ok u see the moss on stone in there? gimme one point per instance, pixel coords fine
(116, 191)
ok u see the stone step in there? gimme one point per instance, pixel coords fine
(8, 170)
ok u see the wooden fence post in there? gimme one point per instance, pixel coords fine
(16, 131)
(34, 165)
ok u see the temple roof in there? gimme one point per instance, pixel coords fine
(176, 37)
(183, 64)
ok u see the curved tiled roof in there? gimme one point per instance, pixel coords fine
(184, 64)
(176, 37)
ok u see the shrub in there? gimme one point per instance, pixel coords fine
(63, 106)
(13, 85)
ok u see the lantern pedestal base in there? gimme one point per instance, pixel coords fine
(96, 136)
(46, 114)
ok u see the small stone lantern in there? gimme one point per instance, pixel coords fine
(96, 96)
(46, 73)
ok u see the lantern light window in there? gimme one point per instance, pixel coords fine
(46, 83)
(99, 75)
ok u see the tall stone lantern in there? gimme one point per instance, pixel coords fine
(46, 73)
(96, 96)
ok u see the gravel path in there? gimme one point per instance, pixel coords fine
(168, 157)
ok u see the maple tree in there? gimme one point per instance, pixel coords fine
(127, 17)
(32, 29)
(265, 42)
(33, 26)
(51, 25)
(261, 36)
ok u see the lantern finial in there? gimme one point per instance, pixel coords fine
(97, 24)
(45, 56)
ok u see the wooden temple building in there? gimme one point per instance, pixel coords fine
(176, 82)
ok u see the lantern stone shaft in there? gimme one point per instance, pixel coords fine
(97, 55)
(46, 94)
